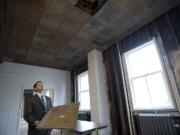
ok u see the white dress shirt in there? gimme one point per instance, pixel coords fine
(40, 95)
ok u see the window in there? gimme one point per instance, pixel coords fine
(49, 93)
(83, 91)
(148, 83)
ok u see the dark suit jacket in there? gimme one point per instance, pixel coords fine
(35, 112)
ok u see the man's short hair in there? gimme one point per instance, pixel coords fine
(34, 86)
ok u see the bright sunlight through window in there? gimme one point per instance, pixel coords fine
(83, 91)
(148, 83)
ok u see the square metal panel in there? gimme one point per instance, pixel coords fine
(60, 33)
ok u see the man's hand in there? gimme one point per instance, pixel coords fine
(37, 124)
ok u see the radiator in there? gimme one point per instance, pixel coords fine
(84, 115)
(155, 124)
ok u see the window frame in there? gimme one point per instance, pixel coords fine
(79, 92)
(166, 74)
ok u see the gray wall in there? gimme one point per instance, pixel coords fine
(14, 78)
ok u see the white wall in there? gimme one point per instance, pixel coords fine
(14, 78)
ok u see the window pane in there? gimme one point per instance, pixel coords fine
(151, 60)
(83, 91)
(47, 93)
(135, 67)
(143, 60)
(84, 82)
(158, 91)
(84, 100)
(140, 93)
(148, 85)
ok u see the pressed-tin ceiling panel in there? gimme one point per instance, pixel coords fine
(60, 33)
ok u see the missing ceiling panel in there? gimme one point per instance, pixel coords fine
(90, 6)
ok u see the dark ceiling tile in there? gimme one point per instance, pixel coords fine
(64, 55)
(105, 32)
(39, 3)
(93, 25)
(108, 13)
(74, 14)
(69, 28)
(84, 35)
(24, 32)
(57, 34)
(123, 3)
(76, 42)
(72, 2)
(70, 49)
(50, 53)
(137, 11)
(57, 7)
(17, 51)
(48, 56)
(41, 40)
(59, 63)
(44, 32)
(61, 38)
(83, 17)
(29, 11)
(50, 21)
(34, 53)
(39, 46)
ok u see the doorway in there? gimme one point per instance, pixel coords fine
(23, 125)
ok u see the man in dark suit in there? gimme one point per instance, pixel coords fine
(37, 108)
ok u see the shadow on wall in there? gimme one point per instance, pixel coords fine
(176, 63)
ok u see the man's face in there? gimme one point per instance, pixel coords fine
(39, 87)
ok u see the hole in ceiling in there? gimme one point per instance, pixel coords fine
(90, 6)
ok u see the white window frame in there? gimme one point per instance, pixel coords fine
(166, 77)
(79, 92)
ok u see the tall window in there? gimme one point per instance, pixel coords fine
(49, 93)
(148, 83)
(83, 91)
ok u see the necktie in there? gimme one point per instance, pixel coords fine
(44, 103)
